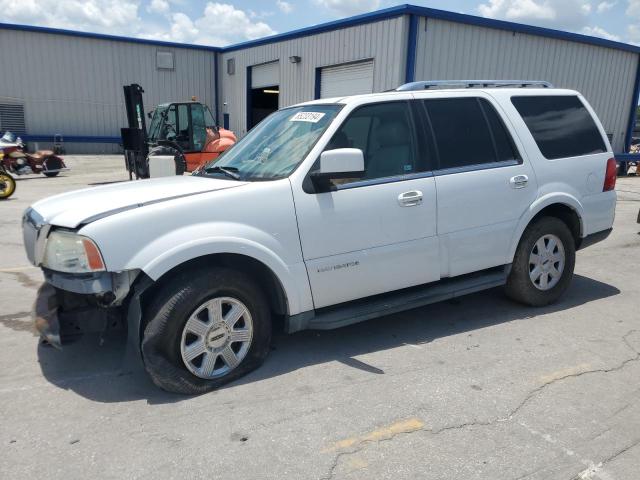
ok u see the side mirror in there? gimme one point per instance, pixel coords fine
(338, 163)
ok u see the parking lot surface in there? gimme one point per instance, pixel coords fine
(476, 388)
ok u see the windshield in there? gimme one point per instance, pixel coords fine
(276, 146)
(157, 129)
(8, 137)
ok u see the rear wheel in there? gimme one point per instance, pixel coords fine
(7, 185)
(52, 164)
(205, 329)
(543, 265)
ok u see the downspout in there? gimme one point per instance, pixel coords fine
(634, 107)
(215, 87)
(412, 44)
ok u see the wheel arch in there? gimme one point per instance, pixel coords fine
(564, 207)
(267, 279)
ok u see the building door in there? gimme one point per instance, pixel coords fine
(264, 92)
(348, 79)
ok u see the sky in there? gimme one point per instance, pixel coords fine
(226, 22)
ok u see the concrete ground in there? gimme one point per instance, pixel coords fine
(476, 388)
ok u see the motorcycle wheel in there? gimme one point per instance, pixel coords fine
(7, 185)
(53, 164)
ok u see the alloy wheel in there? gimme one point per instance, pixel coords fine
(546, 262)
(216, 337)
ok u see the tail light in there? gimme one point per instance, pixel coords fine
(610, 175)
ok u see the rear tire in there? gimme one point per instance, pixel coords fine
(543, 265)
(181, 322)
(52, 163)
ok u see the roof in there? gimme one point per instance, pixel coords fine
(375, 16)
(438, 92)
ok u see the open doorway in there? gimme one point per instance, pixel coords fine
(264, 101)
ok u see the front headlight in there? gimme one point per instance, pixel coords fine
(72, 253)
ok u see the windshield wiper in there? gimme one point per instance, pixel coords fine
(228, 171)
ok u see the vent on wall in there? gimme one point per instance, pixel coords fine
(164, 60)
(12, 118)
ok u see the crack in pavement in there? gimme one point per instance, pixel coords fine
(532, 394)
(597, 470)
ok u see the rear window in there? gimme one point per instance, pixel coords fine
(468, 131)
(561, 125)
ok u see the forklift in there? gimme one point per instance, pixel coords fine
(181, 136)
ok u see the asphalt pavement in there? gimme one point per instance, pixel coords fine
(476, 388)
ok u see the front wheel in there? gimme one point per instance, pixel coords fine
(205, 329)
(543, 265)
(7, 185)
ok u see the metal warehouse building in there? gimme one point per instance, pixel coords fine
(70, 83)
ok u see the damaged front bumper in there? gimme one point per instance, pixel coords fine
(68, 306)
(45, 315)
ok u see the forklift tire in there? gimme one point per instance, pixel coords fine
(178, 157)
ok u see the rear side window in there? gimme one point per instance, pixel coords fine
(468, 131)
(561, 125)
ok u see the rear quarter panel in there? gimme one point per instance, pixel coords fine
(576, 182)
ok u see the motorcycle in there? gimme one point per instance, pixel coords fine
(7, 183)
(16, 159)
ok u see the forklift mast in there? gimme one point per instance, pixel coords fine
(134, 137)
(135, 106)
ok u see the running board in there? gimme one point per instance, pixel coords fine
(385, 304)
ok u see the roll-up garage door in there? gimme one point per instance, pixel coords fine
(349, 79)
(265, 75)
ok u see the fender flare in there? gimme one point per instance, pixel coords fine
(536, 207)
(174, 257)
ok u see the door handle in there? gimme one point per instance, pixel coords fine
(410, 199)
(519, 181)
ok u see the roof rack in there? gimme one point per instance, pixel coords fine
(426, 85)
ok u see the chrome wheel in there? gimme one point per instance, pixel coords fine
(546, 262)
(216, 338)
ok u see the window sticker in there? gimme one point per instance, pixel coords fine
(312, 117)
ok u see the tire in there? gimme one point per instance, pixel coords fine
(177, 307)
(53, 164)
(523, 284)
(7, 185)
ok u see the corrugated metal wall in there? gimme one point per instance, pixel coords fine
(384, 41)
(73, 85)
(605, 76)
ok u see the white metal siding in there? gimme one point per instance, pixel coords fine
(385, 41)
(73, 85)
(265, 75)
(605, 76)
(349, 79)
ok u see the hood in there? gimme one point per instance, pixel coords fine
(84, 206)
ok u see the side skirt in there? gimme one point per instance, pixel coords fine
(385, 304)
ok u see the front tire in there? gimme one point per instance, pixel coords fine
(205, 329)
(543, 265)
(7, 185)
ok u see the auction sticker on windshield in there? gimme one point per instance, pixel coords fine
(313, 117)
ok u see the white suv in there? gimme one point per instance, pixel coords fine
(329, 213)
